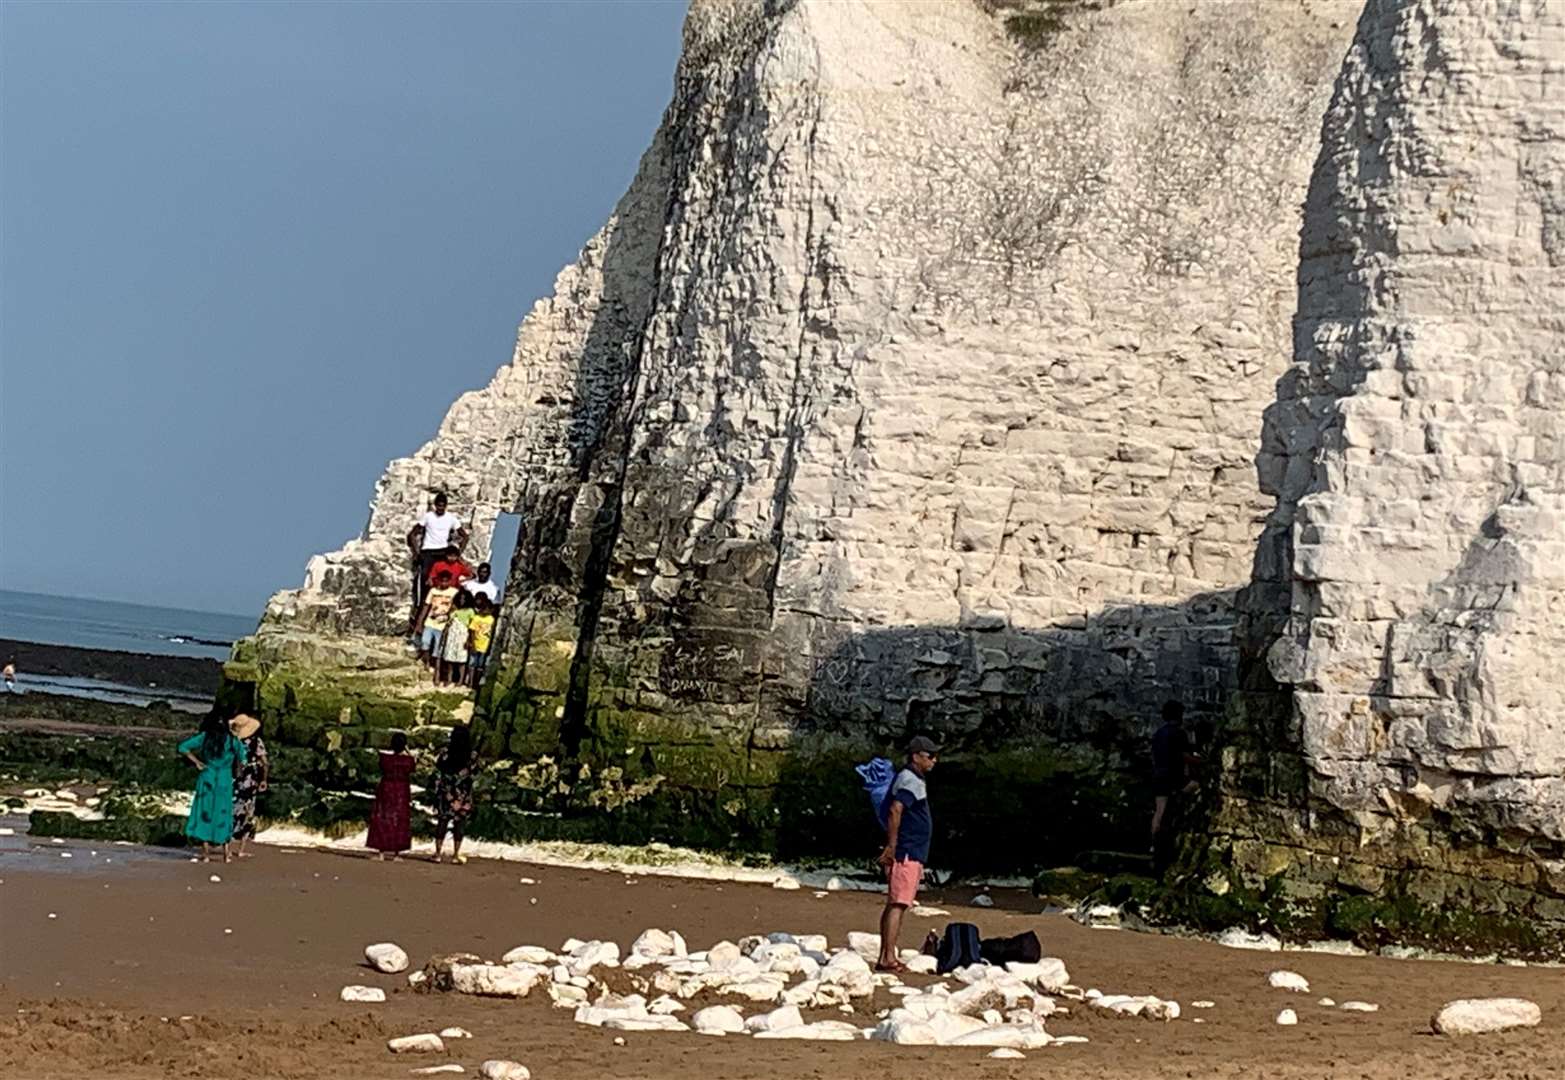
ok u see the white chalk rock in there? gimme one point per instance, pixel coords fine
(922, 965)
(653, 944)
(646, 1023)
(785, 881)
(528, 954)
(866, 945)
(455, 1033)
(823, 1031)
(1014, 1036)
(851, 971)
(722, 955)
(386, 957)
(1237, 938)
(1477, 1016)
(438, 1070)
(591, 954)
(801, 993)
(425, 1043)
(1005, 1053)
(416, 979)
(1145, 1005)
(1202, 1004)
(785, 1017)
(785, 957)
(497, 1069)
(1047, 974)
(983, 900)
(1288, 980)
(566, 996)
(665, 1006)
(1066, 1040)
(904, 1029)
(924, 911)
(813, 943)
(1287, 1018)
(1359, 1006)
(756, 988)
(496, 980)
(365, 995)
(1326, 1002)
(1098, 916)
(718, 1020)
(571, 944)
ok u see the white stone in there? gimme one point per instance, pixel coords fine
(425, 1043)
(592, 954)
(821, 1030)
(1014, 1036)
(1478, 1016)
(905, 1030)
(866, 945)
(1047, 974)
(1202, 1004)
(786, 1017)
(924, 911)
(1287, 1018)
(983, 900)
(1145, 1005)
(455, 1033)
(528, 954)
(1288, 980)
(566, 996)
(665, 1006)
(386, 957)
(1326, 1002)
(498, 1069)
(723, 954)
(718, 1020)
(653, 944)
(1359, 1006)
(448, 1068)
(922, 965)
(1238, 938)
(1005, 1053)
(496, 980)
(367, 995)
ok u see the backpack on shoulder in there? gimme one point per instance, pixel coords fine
(959, 947)
(876, 774)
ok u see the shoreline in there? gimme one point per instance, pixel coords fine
(158, 677)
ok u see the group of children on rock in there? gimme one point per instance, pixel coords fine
(453, 607)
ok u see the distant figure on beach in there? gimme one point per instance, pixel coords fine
(452, 564)
(454, 791)
(430, 625)
(481, 585)
(428, 539)
(9, 674)
(218, 755)
(391, 828)
(908, 829)
(1172, 758)
(453, 646)
(479, 630)
(251, 778)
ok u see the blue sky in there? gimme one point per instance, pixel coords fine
(250, 252)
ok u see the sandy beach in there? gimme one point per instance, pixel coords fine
(130, 963)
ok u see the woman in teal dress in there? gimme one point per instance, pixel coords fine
(218, 755)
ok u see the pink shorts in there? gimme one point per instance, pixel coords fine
(902, 881)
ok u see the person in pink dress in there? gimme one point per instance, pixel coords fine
(390, 819)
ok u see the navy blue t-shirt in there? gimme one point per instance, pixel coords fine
(913, 834)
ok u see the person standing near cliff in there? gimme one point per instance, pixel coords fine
(428, 539)
(454, 792)
(391, 827)
(250, 779)
(482, 585)
(10, 673)
(1172, 758)
(908, 830)
(218, 755)
(430, 626)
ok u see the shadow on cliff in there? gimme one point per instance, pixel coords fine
(1046, 733)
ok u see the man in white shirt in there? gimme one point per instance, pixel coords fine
(481, 585)
(428, 539)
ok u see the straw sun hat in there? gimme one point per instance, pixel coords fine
(243, 726)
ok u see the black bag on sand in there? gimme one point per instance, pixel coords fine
(1024, 948)
(958, 947)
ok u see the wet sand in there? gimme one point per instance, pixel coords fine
(137, 977)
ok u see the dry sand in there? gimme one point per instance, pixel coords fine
(136, 977)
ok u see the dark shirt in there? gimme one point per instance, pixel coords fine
(914, 832)
(1170, 744)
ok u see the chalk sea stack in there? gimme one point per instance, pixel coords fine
(1001, 370)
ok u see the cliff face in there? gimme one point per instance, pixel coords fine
(1409, 598)
(914, 384)
(917, 383)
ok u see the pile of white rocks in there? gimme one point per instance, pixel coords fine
(772, 979)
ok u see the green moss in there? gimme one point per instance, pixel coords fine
(163, 830)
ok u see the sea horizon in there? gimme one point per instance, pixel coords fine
(119, 625)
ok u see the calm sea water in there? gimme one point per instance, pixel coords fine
(108, 624)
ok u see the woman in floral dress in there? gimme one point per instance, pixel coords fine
(454, 791)
(250, 779)
(390, 819)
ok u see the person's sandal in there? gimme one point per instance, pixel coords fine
(897, 968)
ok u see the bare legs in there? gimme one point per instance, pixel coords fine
(890, 931)
(454, 825)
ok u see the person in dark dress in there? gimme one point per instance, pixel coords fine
(1172, 759)
(250, 780)
(391, 827)
(454, 791)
